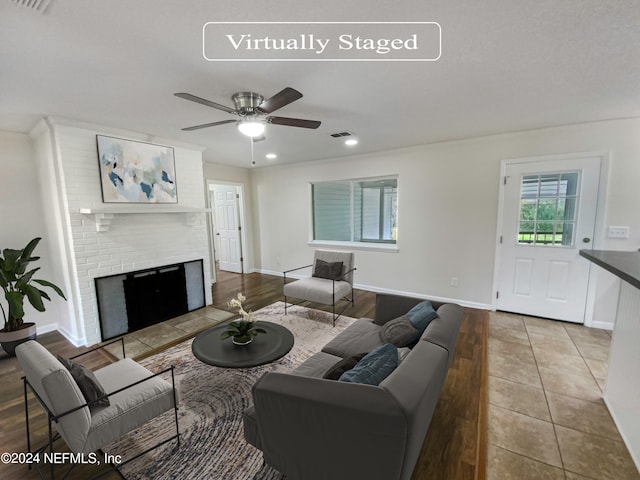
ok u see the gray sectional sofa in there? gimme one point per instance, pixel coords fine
(309, 427)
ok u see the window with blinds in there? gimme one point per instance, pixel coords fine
(361, 210)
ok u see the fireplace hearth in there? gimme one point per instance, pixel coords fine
(135, 300)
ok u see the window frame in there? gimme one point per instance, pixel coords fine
(361, 244)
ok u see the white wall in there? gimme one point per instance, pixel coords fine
(448, 200)
(23, 217)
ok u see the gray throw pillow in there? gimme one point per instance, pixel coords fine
(87, 383)
(399, 332)
(330, 271)
(402, 354)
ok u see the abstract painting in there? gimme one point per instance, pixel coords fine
(136, 172)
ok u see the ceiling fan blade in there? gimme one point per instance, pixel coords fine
(203, 101)
(205, 125)
(279, 100)
(294, 122)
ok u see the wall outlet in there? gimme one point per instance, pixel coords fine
(618, 232)
(454, 281)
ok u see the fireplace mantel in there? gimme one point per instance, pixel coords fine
(104, 215)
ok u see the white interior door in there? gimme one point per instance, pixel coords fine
(549, 211)
(227, 229)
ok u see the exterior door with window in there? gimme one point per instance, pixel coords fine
(549, 211)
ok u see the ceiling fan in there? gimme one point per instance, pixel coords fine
(253, 111)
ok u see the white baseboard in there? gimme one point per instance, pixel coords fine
(372, 288)
(602, 325)
(464, 303)
(52, 327)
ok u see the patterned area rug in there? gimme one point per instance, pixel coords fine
(211, 403)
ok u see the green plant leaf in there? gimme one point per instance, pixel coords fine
(3, 279)
(22, 263)
(26, 278)
(34, 296)
(15, 300)
(51, 285)
(44, 294)
(26, 251)
(11, 256)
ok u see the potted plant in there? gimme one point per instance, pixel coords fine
(241, 331)
(17, 284)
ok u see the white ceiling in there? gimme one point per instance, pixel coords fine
(506, 65)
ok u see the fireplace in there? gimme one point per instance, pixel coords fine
(135, 300)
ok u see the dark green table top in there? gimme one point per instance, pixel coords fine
(265, 347)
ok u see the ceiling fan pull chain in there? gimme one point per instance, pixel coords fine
(253, 162)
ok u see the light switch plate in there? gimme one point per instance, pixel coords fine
(618, 232)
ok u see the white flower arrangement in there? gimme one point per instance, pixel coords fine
(242, 331)
(237, 303)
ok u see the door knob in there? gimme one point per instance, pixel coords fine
(586, 240)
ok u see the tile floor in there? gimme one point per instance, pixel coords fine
(547, 419)
(146, 341)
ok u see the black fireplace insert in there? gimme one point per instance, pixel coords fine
(135, 300)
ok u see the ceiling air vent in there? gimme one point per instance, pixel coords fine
(40, 6)
(341, 134)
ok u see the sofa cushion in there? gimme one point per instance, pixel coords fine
(319, 290)
(87, 382)
(328, 270)
(399, 331)
(130, 408)
(421, 315)
(374, 367)
(443, 330)
(317, 365)
(362, 336)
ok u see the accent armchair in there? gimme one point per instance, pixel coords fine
(123, 396)
(330, 283)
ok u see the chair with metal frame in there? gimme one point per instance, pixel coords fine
(327, 289)
(136, 395)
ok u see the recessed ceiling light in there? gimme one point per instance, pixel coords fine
(351, 142)
(271, 156)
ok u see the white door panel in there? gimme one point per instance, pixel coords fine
(227, 231)
(549, 210)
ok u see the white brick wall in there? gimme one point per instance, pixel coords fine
(134, 241)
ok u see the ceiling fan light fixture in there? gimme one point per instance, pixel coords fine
(251, 128)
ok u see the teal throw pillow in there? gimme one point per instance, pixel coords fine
(374, 367)
(421, 315)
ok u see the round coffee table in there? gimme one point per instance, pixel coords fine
(265, 347)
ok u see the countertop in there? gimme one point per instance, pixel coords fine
(625, 265)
